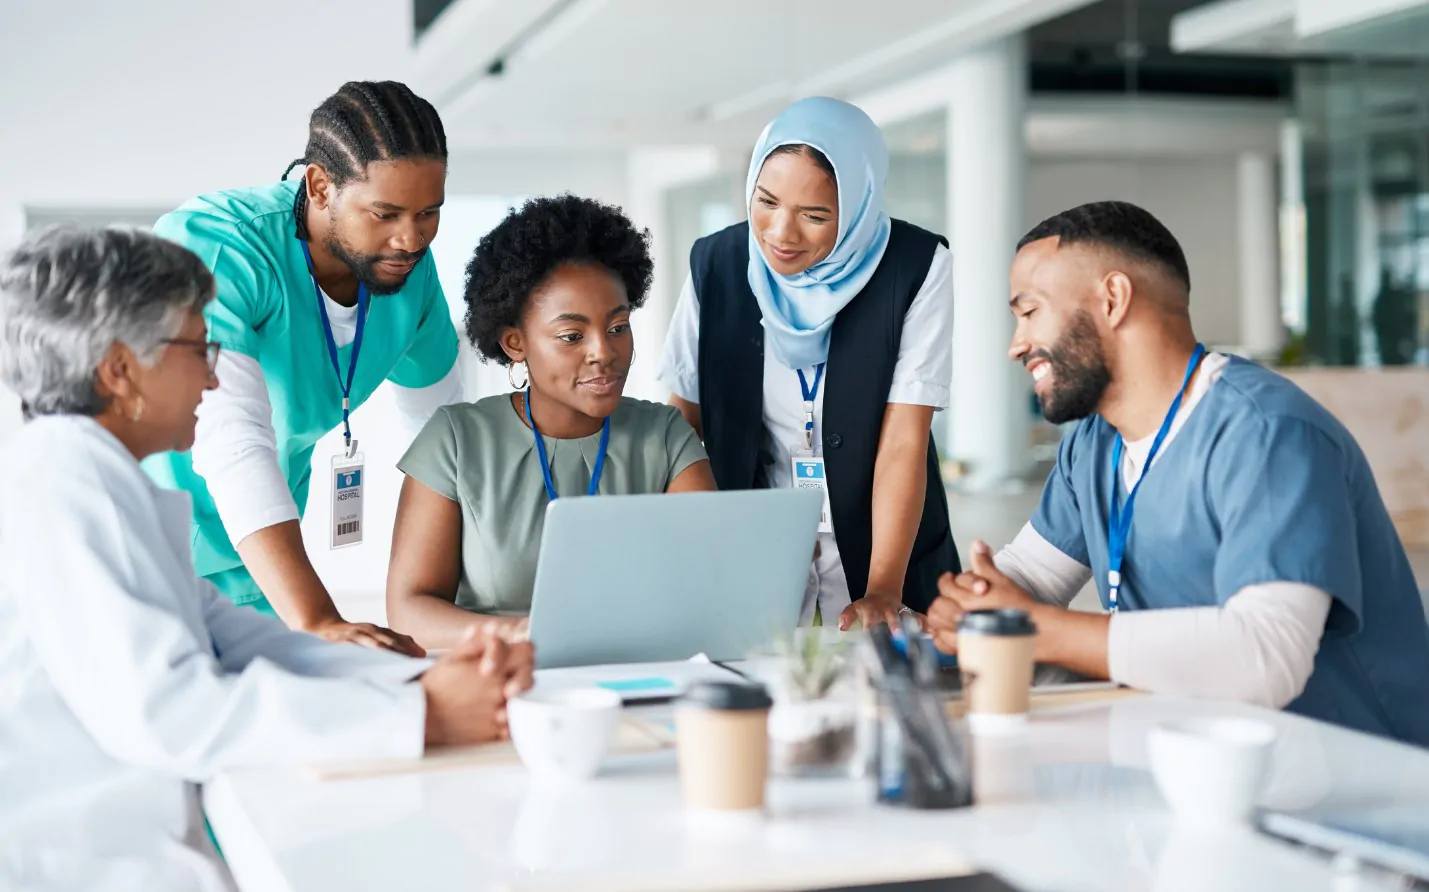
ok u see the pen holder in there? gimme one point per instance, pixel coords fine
(922, 760)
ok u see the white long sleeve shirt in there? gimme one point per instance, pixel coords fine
(125, 681)
(236, 449)
(1259, 648)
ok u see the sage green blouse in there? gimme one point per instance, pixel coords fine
(483, 456)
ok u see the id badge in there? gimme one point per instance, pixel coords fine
(809, 474)
(346, 526)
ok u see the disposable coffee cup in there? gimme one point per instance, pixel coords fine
(722, 740)
(995, 659)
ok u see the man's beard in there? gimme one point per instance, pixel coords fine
(1079, 374)
(364, 266)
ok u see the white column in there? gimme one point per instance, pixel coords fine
(1260, 323)
(1367, 259)
(989, 421)
(1292, 226)
(650, 172)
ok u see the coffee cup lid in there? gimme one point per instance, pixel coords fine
(997, 622)
(726, 695)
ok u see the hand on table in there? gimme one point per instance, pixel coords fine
(368, 635)
(984, 587)
(872, 609)
(467, 688)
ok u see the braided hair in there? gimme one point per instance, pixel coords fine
(363, 122)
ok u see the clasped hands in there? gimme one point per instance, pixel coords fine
(467, 687)
(983, 587)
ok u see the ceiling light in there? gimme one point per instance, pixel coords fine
(559, 24)
(544, 34)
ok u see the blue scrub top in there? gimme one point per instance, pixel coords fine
(1261, 485)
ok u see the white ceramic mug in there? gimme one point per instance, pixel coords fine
(563, 732)
(1211, 771)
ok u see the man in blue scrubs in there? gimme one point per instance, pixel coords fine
(1232, 526)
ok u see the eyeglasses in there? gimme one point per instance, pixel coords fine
(211, 349)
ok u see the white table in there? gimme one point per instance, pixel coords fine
(1072, 807)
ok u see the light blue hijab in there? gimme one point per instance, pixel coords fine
(799, 310)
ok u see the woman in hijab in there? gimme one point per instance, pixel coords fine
(811, 347)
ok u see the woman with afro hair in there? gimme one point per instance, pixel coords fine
(549, 294)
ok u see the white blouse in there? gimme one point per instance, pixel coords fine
(922, 377)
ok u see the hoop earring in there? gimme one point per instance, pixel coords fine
(511, 375)
(138, 411)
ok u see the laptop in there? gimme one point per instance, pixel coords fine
(660, 578)
(1392, 836)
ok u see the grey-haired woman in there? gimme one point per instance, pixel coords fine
(127, 679)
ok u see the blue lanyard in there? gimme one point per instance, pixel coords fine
(810, 394)
(546, 462)
(1119, 518)
(344, 386)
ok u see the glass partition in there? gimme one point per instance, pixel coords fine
(1366, 127)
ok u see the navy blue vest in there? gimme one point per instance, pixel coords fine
(863, 352)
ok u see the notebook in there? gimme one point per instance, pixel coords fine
(978, 882)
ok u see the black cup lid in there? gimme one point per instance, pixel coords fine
(726, 695)
(997, 622)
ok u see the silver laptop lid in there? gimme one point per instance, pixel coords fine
(652, 578)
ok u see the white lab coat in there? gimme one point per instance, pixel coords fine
(125, 681)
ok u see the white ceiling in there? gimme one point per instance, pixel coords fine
(146, 103)
(627, 72)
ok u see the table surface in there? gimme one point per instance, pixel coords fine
(1069, 805)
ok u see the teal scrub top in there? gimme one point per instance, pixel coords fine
(266, 308)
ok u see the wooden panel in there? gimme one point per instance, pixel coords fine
(1387, 411)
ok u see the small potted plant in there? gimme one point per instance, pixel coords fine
(813, 727)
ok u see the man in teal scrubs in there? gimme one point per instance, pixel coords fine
(326, 289)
